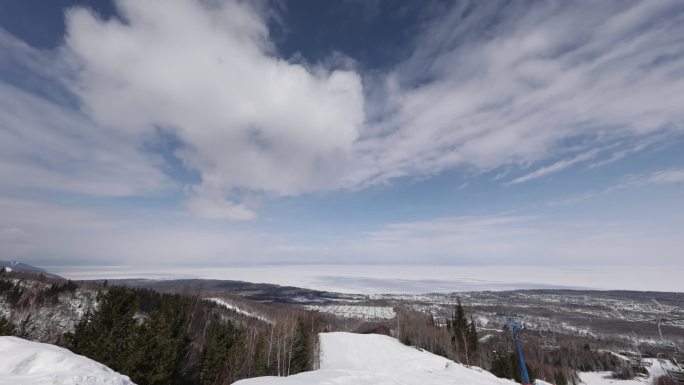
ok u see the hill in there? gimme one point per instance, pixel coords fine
(21, 267)
(347, 358)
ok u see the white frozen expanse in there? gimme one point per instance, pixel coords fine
(355, 311)
(31, 363)
(604, 378)
(371, 359)
(398, 279)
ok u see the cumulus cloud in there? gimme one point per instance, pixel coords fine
(212, 205)
(207, 74)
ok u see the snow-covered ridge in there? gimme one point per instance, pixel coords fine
(371, 359)
(237, 309)
(32, 363)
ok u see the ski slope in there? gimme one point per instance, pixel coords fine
(31, 363)
(371, 359)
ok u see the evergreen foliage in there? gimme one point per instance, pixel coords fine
(161, 343)
(224, 347)
(473, 340)
(301, 356)
(173, 339)
(107, 335)
(12, 291)
(52, 292)
(7, 328)
(463, 332)
(501, 365)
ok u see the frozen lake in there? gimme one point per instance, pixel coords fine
(369, 279)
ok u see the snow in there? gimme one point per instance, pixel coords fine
(237, 309)
(604, 378)
(365, 359)
(658, 368)
(415, 279)
(25, 362)
(355, 311)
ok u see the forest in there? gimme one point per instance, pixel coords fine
(163, 338)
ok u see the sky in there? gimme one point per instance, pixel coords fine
(224, 133)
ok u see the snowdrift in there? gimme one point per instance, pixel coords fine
(365, 359)
(31, 363)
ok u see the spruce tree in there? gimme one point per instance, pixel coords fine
(160, 344)
(223, 350)
(6, 327)
(301, 356)
(107, 335)
(473, 340)
(459, 330)
(501, 365)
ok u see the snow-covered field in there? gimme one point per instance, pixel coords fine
(355, 311)
(371, 359)
(657, 368)
(32, 363)
(604, 378)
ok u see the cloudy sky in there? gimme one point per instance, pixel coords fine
(220, 133)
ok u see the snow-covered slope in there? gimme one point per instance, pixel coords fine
(32, 363)
(365, 359)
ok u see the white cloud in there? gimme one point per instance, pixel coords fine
(555, 167)
(494, 84)
(489, 86)
(667, 176)
(207, 75)
(212, 205)
(59, 234)
(13, 234)
(45, 146)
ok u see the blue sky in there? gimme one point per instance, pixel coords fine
(350, 132)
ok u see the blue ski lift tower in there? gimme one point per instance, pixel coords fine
(514, 324)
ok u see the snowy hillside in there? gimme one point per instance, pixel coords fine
(360, 359)
(32, 363)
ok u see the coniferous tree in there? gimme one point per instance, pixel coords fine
(301, 357)
(107, 335)
(473, 340)
(459, 330)
(161, 343)
(501, 365)
(223, 350)
(7, 328)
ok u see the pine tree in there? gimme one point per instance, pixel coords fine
(107, 335)
(456, 326)
(501, 365)
(459, 330)
(6, 327)
(223, 350)
(301, 357)
(161, 343)
(473, 340)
